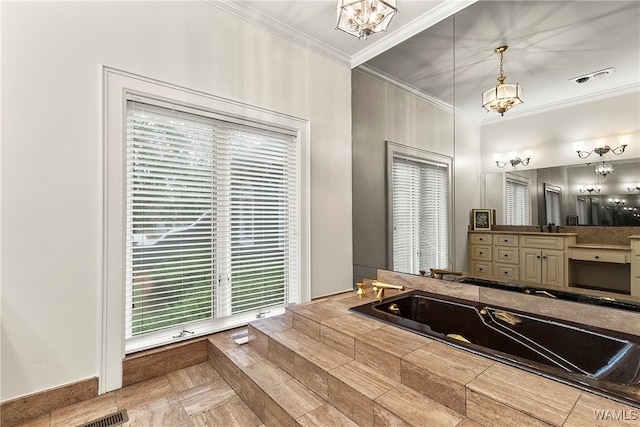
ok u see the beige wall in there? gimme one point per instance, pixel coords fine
(383, 112)
(550, 134)
(52, 200)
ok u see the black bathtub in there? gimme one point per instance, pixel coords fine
(602, 361)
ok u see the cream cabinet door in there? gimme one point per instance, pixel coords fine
(531, 265)
(553, 268)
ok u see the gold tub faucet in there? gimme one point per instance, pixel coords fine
(379, 287)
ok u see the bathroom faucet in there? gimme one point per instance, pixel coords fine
(379, 287)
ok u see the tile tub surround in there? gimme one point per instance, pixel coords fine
(602, 317)
(370, 374)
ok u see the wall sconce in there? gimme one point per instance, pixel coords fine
(601, 147)
(589, 188)
(617, 202)
(514, 159)
(632, 187)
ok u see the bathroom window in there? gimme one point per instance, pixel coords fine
(206, 219)
(582, 209)
(210, 218)
(553, 201)
(420, 209)
(517, 200)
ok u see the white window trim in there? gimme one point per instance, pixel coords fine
(419, 155)
(117, 86)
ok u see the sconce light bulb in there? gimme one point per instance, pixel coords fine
(600, 142)
(624, 139)
(577, 146)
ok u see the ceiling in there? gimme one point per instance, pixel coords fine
(550, 42)
(312, 23)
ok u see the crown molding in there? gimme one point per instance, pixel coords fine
(274, 26)
(421, 23)
(397, 84)
(515, 114)
(253, 16)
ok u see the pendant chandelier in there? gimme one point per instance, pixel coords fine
(361, 18)
(604, 169)
(504, 95)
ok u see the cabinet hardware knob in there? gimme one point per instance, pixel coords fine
(544, 257)
(538, 256)
(597, 257)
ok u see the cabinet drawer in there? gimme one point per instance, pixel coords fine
(507, 272)
(542, 242)
(505, 240)
(481, 268)
(600, 255)
(481, 253)
(505, 255)
(484, 239)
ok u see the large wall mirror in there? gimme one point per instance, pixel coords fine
(427, 92)
(594, 199)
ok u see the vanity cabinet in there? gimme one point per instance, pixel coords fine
(601, 267)
(530, 257)
(635, 265)
(542, 266)
(505, 256)
(543, 259)
(481, 254)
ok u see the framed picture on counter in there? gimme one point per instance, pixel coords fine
(481, 219)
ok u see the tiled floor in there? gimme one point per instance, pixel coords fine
(194, 396)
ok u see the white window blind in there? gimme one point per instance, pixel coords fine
(517, 201)
(420, 215)
(552, 204)
(211, 218)
(582, 210)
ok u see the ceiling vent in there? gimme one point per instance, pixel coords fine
(595, 75)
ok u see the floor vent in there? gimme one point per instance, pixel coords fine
(110, 420)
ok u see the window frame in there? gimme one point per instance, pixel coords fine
(521, 180)
(394, 149)
(118, 86)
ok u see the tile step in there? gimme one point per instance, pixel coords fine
(288, 377)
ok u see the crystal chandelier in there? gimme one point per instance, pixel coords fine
(604, 169)
(504, 95)
(361, 18)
